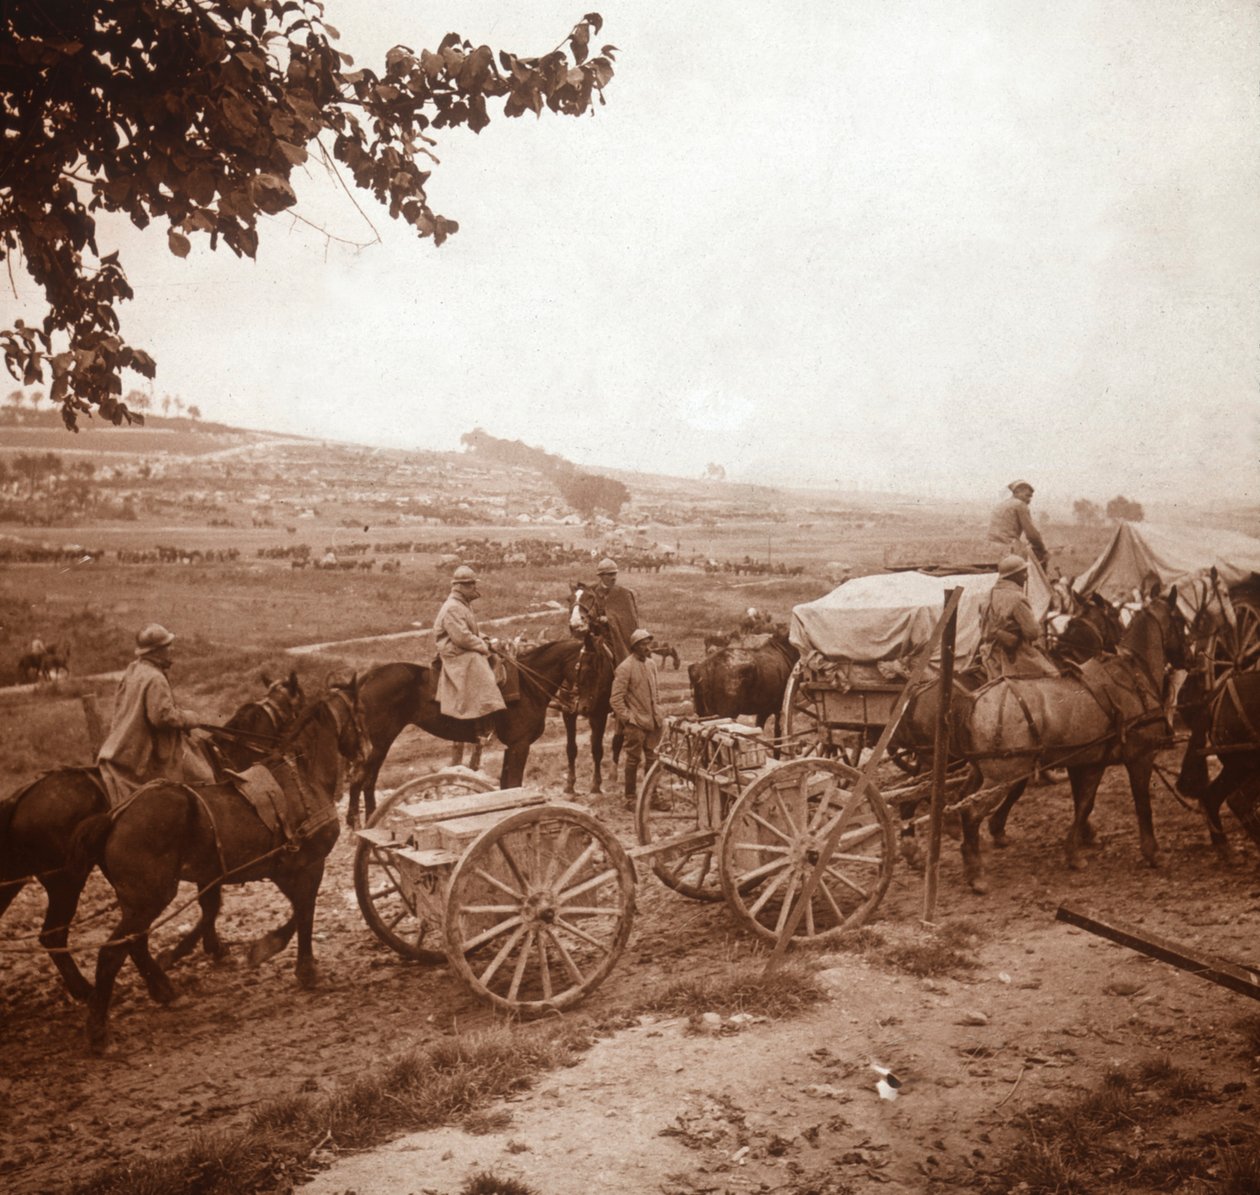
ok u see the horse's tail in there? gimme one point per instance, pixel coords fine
(87, 844)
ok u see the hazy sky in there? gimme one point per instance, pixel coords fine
(869, 243)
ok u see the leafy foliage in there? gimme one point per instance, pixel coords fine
(194, 114)
(1086, 512)
(1121, 507)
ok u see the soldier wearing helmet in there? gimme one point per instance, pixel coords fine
(1010, 636)
(148, 737)
(635, 699)
(616, 606)
(1011, 524)
(466, 686)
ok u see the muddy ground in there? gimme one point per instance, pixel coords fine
(1061, 1009)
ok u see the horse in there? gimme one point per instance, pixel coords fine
(744, 680)
(1226, 718)
(210, 835)
(52, 663)
(590, 694)
(1093, 629)
(37, 823)
(401, 694)
(1114, 713)
(667, 651)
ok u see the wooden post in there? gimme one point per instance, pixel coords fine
(940, 757)
(95, 727)
(865, 780)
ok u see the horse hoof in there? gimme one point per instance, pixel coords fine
(979, 885)
(263, 949)
(79, 989)
(97, 1038)
(308, 978)
(166, 959)
(162, 992)
(1000, 840)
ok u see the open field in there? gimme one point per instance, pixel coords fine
(1061, 1011)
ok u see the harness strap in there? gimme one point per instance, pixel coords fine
(1033, 729)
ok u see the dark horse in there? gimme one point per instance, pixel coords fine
(38, 821)
(210, 835)
(1226, 722)
(1113, 714)
(400, 694)
(589, 695)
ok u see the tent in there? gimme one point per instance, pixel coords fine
(1174, 555)
(889, 616)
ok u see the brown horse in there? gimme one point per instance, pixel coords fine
(400, 694)
(210, 835)
(589, 694)
(1224, 722)
(1114, 714)
(38, 821)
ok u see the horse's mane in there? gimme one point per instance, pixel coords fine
(543, 657)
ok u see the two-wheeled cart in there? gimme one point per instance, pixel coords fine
(531, 900)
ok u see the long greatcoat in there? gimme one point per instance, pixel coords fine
(1010, 635)
(466, 687)
(619, 606)
(1012, 522)
(146, 738)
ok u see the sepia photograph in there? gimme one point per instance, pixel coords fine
(662, 600)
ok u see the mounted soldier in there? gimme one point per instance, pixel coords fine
(466, 686)
(1012, 526)
(616, 606)
(148, 737)
(1010, 635)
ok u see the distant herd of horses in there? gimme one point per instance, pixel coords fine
(1113, 711)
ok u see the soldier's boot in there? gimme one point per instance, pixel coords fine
(632, 785)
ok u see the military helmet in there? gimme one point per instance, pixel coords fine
(1012, 565)
(463, 574)
(1016, 486)
(153, 636)
(607, 565)
(642, 635)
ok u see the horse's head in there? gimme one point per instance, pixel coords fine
(581, 604)
(1157, 634)
(354, 742)
(285, 697)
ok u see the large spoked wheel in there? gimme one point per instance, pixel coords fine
(539, 909)
(774, 838)
(1236, 648)
(670, 806)
(407, 916)
(800, 720)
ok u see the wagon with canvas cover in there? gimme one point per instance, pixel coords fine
(859, 645)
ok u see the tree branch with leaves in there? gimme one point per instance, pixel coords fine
(194, 114)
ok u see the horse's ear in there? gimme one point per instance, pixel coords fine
(266, 680)
(1171, 597)
(294, 683)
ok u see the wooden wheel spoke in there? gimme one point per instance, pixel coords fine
(706, 856)
(759, 873)
(767, 892)
(592, 911)
(810, 928)
(589, 939)
(557, 853)
(544, 966)
(381, 893)
(831, 901)
(494, 880)
(397, 917)
(585, 886)
(493, 932)
(762, 848)
(575, 972)
(513, 866)
(787, 817)
(495, 963)
(509, 909)
(786, 907)
(522, 961)
(841, 878)
(581, 861)
(761, 821)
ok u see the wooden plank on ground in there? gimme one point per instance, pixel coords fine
(1206, 966)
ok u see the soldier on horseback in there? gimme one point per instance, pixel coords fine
(466, 687)
(1010, 635)
(148, 737)
(616, 606)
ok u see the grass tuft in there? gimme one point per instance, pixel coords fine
(787, 990)
(485, 1183)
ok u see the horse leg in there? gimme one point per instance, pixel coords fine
(474, 756)
(160, 990)
(570, 752)
(973, 862)
(64, 890)
(1140, 770)
(1210, 799)
(109, 959)
(1242, 803)
(272, 942)
(997, 822)
(204, 931)
(619, 741)
(302, 889)
(598, 723)
(1084, 782)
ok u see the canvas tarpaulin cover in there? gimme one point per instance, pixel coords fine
(1172, 554)
(890, 616)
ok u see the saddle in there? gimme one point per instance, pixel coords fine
(283, 804)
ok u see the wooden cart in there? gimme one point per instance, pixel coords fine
(531, 901)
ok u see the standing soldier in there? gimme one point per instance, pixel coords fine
(466, 686)
(1010, 636)
(1011, 523)
(147, 737)
(636, 702)
(617, 606)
